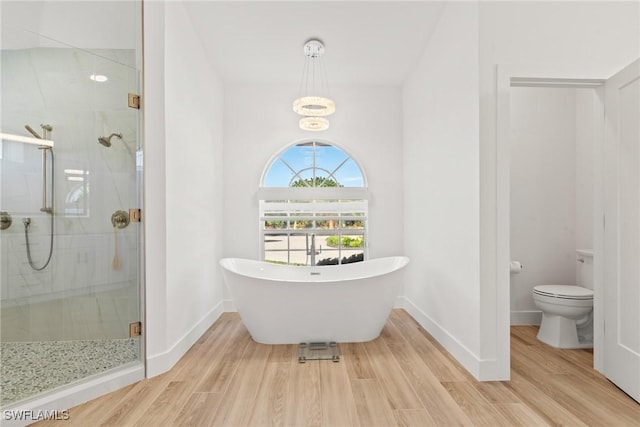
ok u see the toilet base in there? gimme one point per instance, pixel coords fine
(560, 332)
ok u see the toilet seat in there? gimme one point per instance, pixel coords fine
(570, 292)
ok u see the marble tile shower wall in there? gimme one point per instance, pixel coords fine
(52, 86)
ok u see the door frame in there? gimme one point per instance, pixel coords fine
(508, 76)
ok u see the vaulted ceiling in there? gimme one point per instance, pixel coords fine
(367, 42)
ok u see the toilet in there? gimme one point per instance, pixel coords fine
(567, 310)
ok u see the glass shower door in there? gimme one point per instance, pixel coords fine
(69, 249)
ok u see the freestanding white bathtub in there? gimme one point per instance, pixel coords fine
(282, 304)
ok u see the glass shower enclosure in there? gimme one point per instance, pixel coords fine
(70, 179)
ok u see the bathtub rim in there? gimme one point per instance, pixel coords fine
(396, 263)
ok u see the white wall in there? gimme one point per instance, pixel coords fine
(259, 122)
(184, 221)
(552, 189)
(441, 210)
(572, 39)
(585, 166)
(155, 228)
(543, 193)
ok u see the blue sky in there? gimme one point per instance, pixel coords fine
(301, 157)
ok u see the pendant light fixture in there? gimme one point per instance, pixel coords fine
(313, 102)
(314, 124)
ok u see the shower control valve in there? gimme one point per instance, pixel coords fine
(5, 220)
(120, 219)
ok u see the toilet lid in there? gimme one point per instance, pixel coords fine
(564, 291)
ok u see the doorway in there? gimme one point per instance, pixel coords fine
(552, 163)
(590, 94)
(615, 138)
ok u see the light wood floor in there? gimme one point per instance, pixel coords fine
(403, 378)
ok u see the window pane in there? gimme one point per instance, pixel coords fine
(353, 224)
(352, 256)
(276, 248)
(303, 179)
(349, 175)
(344, 241)
(329, 157)
(298, 252)
(275, 225)
(327, 224)
(335, 257)
(298, 157)
(278, 175)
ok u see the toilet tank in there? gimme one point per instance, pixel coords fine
(584, 268)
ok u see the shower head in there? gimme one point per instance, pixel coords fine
(106, 140)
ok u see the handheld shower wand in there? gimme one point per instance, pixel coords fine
(32, 132)
(46, 129)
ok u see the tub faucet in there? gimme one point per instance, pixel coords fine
(312, 250)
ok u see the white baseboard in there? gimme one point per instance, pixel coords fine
(160, 363)
(481, 369)
(526, 317)
(54, 404)
(448, 341)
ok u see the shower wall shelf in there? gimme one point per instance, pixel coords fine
(26, 139)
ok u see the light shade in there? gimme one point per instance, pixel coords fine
(314, 124)
(314, 106)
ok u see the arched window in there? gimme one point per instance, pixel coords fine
(313, 206)
(313, 164)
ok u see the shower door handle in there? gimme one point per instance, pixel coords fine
(120, 219)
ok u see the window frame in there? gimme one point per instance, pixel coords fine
(284, 203)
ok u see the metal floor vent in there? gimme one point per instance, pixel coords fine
(318, 351)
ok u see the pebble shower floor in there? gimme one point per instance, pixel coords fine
(30, 368)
